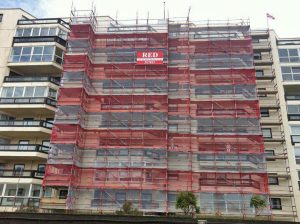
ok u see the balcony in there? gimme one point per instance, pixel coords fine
(28, 105)
(292, 97)
(43, 22)
(293, 117)
(21, 174)
(53, 203)
(262, 46)
(25, 128)
(17, 201)
(10, 79)
(24, 151)
(46, 59)
(45, 39)
(295, 139)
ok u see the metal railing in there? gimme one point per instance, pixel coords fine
(294, 117)
(24, 147)
(19, 201)
(29, 100)
(19, 173)
(43, 21)
(31, 79)
(295, 139)
(32, 39)
(25, 123)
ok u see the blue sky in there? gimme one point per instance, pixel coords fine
(286, 12)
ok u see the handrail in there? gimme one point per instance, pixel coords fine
(31, 79)
(29, 100)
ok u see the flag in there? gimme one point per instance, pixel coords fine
(270, 16)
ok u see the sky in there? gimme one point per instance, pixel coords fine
(286, 12)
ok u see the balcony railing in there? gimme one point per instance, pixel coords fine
(21, 174)
(14, 201)
(40, 58)
(40, 39)
(29, 100)
(294, 117)
(24, 147)
(31, 79)
(292, 97)
(25, 123)
(43, 21)
(295, 139)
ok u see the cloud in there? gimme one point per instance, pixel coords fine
(31, 6)
(286, 12)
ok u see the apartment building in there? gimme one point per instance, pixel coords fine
(152, 108)
(31, 65)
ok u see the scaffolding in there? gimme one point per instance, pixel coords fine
(142, 133)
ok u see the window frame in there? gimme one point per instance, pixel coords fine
(266, 114)
(279, 204)
(276, 182)
(270, 129)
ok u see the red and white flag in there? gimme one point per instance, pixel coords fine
(270, 16)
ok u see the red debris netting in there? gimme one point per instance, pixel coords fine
(212, 77)
(229, 181)
(74, 134)
(69, 96)
(216, 109)
(211, 47)
(131, 40)
(216, 143)
(155, 179)
(217, 182)
(82, 31)
(125, 103)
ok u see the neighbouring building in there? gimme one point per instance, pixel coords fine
(147, 109)
(31, 56)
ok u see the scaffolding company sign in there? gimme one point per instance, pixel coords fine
(149, 57)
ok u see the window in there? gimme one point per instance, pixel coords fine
(289, 55)
(63, 194)
(7, 92)
(290, 73)
(275, 203)
(18, 169)
(121, 198)
(257, 56)
(1, 17)
(173, 127)
(18, 92)
(297, 154)
(36, 54)
(39, 91)
(173, 176)
(267, 132)
(273, 180)
(52, 93)
(269, 153)
(28, 121)
(295, 130)
(23, 144)
(21, 192)
(41, 170)
(259, 73)
(264, 112)
(146, 200)
(254, 40)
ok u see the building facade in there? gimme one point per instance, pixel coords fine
(145, 110)
(31, 65)
(151, 109)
